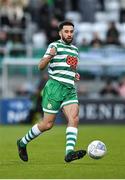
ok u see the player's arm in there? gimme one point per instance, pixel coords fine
(46, 59)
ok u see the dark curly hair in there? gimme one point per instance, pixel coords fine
(65, 23)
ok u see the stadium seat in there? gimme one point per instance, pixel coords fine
(87, 36)
(39, 40)
(121, 27)
(112, 5)
(113, 16)
(84, 27)
(107, 16)
(101, 16)
(101, 29)
(74, 16)
(122, 39)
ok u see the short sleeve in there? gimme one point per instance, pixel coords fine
(52, 45)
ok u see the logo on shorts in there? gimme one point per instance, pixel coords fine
(49, 106)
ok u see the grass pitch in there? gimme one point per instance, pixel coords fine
(46, 154)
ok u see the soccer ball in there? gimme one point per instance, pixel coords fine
(96, 149)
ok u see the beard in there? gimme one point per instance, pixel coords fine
(67, 41)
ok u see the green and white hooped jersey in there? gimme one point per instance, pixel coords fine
(58, 67)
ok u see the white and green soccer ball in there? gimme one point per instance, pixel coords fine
(96, 149)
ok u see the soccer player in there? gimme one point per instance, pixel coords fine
(59, 92)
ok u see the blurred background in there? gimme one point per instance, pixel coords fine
(28, 26)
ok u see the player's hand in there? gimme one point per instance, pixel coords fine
(77, 76)
(52, 52)
(46, 60)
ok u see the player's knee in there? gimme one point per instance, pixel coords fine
(44, 126)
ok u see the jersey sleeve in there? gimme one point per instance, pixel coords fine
(52, 45)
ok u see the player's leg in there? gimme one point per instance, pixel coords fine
(37, 129)
(71, 112)
(50, 108)
(34, 132)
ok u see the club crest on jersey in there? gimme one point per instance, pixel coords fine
(49, 106)
(72, 61)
